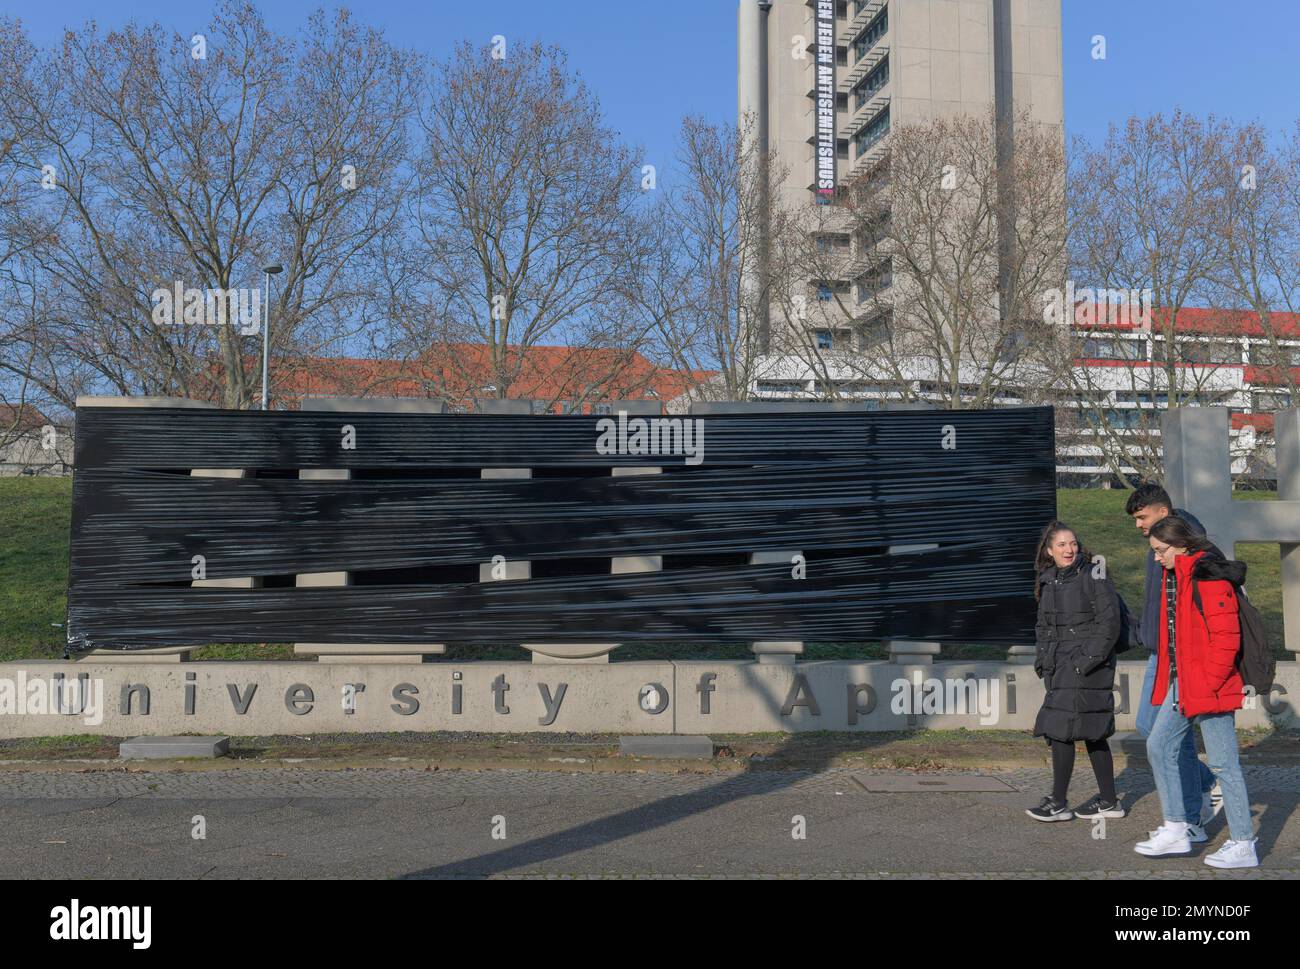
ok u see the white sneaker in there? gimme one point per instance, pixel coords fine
(1211, 803)
(1234, 854)
(1167, 840)
(1195, 834)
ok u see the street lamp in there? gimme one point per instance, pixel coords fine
(267, 271)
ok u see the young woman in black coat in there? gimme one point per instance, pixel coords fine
(1078, 623)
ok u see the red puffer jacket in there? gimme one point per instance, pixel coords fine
(1205, 648)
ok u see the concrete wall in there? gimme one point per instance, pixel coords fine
(1029, 59)
(942, 51)
(698, 696)
(947, 57)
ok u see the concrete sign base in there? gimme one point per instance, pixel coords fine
(50, 698)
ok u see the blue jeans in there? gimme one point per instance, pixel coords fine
(1219, 732)
(1197, 778)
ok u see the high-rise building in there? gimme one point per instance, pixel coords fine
(892, 62)
(825, 81)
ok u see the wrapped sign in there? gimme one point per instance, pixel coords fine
(839, 526)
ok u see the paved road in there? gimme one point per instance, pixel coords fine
(384, 823)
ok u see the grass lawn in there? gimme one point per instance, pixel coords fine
(35, 517)
(35, 521)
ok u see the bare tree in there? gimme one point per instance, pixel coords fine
(523, 229)
(1146, 217)
(1260, 228)
(705, 283)
(153, 162)
(954, 241)
(26, 400)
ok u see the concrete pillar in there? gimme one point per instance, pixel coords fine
(494, 405)
(907, 651)
(782, 651)
(751, 61)
(521, 570)
(1197, 471)
(515, 569)
(1198, 478)
(369, 653)
(1026, 653)
(628, 564)
(1287, 436)
(243, 582)
(910, 652)
(544, 653)
(586, 653)
(752, 103)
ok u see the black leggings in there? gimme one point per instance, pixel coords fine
(1103, 765)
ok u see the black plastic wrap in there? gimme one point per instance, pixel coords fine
(415, 522)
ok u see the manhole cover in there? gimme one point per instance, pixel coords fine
(912, 784)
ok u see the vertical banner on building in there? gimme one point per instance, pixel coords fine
(825, 65)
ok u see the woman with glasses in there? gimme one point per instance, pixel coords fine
(1197, 682)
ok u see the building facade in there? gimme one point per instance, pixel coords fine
(32, 443)
(895, 62)
(1122, 377)
(822, 83)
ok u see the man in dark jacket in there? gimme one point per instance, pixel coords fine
(1148, 504)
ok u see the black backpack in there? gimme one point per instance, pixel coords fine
(1255, 661)
(1125, 640)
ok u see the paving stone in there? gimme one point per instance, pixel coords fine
(406, 822)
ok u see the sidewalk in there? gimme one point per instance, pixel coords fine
(935, 804)
(284, 822)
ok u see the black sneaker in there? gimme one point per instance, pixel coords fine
(1097, 808)
(1050, 810)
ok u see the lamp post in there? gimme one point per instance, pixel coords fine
(267, 272)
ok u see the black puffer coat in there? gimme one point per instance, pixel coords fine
(1078, 623)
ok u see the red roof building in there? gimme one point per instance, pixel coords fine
(560, 379)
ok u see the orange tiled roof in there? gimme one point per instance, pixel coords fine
(464, 372)
(21, 417)
(1263, 423)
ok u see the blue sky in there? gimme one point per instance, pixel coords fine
(1236, 60)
